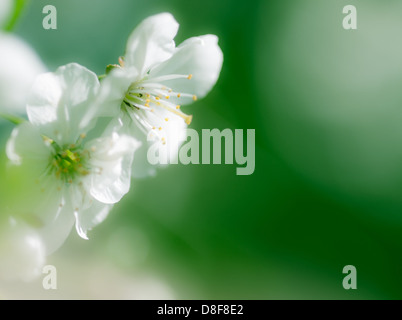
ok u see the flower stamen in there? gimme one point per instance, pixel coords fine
(141, 94)
(69, 162)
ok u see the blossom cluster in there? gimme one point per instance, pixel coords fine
(86, 135)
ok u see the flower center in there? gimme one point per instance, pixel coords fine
(149, 94)
(69, 162)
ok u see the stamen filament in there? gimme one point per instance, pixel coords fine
(169, 77)
(187, 118)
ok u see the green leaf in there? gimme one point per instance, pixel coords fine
(19, 6)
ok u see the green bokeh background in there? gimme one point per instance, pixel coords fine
(326, 105)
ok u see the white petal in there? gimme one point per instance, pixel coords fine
(111, 94)
(141, 167)
(202, 58)
(27, 144)
(45, 207)
(41, 192)
(151, 42)
(22, 253)
(56, 230)
(44, 99)
(166, 140)
(92, 216)
(19, 65)
(112, 157)
(124, 126)
(60, 100)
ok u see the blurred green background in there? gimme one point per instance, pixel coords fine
(326, 105)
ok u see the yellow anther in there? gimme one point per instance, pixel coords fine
(189, 76)
(176, 111)
(194, 97)
(178, 95)
(167, 97)
(188, 119)
(83, 135)
(160, 128)
(157, 98)
(147, 105)
(148, 101)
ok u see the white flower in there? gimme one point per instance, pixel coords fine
(19, 66)
(155, 79)
(22, 253)
(77, 180)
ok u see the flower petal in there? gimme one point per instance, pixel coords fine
(59, 101)
(22, 253)
(19, 65)
(42, 194)
(202, 58)
(112, 156)
(26, 143)
(89, 218)
(55, 231)
(165, 139)
(111, 94)
(151, 42)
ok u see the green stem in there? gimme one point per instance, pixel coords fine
(18, 9)
(101, 77)
(13, 119)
